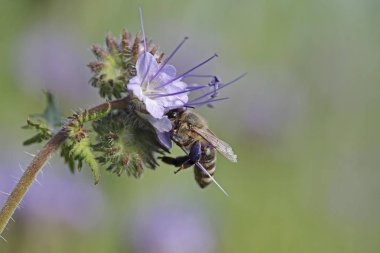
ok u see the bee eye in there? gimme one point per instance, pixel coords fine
(172, 114)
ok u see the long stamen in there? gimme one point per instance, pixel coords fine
(147, 71)
(144, 41)
(220, 87)
(211, 100)
(189, 71)
(142, 25)
(196, 75)
(208, 174)
(170, 56)
(157, 95)
(212, 178)
(168, 108)
(215, 84)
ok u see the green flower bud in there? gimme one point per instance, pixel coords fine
(115, 64)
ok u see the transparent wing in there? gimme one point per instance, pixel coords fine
(223, 147)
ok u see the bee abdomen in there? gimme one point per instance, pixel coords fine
(208, 161)
(202, 178)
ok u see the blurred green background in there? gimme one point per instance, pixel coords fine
(304, 123)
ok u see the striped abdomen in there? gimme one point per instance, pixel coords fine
(208, 161)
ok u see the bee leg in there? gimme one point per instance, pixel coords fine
(181, 161)
(184, 162)
(185, 165)
(193, 157)
(181, 168)
(177, 162)
(195, 152)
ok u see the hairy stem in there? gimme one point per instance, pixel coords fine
(39, 161)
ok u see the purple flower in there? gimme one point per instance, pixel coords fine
(158, 88)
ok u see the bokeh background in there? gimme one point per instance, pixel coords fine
(304, 123)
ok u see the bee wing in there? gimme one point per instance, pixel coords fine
(223, 147)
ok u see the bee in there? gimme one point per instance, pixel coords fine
(190, 132)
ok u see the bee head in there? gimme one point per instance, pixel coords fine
(174, 114)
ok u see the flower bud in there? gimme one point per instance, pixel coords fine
(115, 64)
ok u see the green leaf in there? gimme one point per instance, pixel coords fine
(45, 123)
(43, 132)
(75, 152)
(52, 113)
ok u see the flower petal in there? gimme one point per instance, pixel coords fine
(167, 73)
(136, 89)
(180, 84)
(169, 70)
(164, 138)
(146, 66)
(161, 125)
(154, 107)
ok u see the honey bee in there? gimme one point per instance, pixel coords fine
(190, 132)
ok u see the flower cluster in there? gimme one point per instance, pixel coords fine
(129, 137)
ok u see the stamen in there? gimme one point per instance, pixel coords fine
(195, 75)
(189, 71)
(211, 100)
(212, 178)
(147, 71)
(144, 40)
(170, 56)
(142, 25)
(157, 95)
(215, 84)
(208, 174)
(169, 108)
(219, 88)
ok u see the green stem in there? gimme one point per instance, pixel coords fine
(39, 161)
